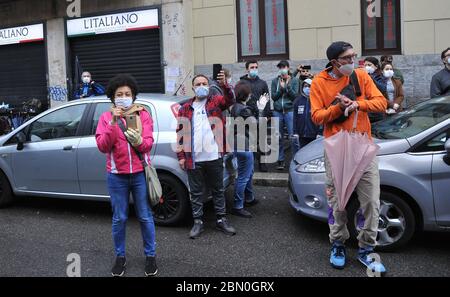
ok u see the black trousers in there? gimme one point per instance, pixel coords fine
(207, 175)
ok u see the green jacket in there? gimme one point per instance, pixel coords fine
(398, 74)
(284, 97)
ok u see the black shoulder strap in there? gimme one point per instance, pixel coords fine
(138, 153)
(354, 81)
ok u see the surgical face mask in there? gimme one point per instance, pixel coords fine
(284, 72)
(307, 91)
(388, 73)
(125, 102)
(253, 73)
(86, 79)
(347, 69)
(201, 92)
(370, 69)
(448, 61)
(229, 81)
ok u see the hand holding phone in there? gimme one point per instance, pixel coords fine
(217, 68)
(131, 121)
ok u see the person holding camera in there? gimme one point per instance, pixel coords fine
(201, 140)
(284, 91)
(304, 72)
(125, 170)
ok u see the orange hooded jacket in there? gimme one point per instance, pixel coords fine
(324, 89)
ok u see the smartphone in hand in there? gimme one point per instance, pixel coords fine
(216, 70)
(131, 121)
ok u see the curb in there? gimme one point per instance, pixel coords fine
(270, 179)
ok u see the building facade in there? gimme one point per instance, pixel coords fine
(165, 42)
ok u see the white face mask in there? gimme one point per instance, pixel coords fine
(347, 69)
(229, 81)
(370, 69)
(448, 61)
(86, 79)
(123, 102)
(388, 73)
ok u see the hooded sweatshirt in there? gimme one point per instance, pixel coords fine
(324, 89)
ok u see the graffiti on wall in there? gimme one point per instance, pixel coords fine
(57, 93)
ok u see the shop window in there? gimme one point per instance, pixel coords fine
(262, 29)
(380, 27)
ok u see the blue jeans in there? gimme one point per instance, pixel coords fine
(120, 186)
(288, 120)
(243, 189)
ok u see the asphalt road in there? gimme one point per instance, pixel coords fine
(37, 235)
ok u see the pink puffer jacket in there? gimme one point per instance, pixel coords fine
(121, 158)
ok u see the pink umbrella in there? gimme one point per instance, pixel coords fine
(349, 154)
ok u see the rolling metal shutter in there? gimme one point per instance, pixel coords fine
(134, 52)
(23, 74)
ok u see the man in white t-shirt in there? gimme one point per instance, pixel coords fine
(201, 139)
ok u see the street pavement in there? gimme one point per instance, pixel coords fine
(37, 235)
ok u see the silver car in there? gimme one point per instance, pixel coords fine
(55, 155)
(414, 164)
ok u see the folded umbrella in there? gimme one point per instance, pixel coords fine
(349, 155)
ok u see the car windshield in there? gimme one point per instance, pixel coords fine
(413, 121)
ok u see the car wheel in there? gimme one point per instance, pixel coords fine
(396, 226)
(6, 195)
(174, 203)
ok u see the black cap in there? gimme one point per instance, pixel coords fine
(283, 64)
(337, 48)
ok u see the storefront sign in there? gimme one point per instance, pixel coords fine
(128, 21)
(22, 34)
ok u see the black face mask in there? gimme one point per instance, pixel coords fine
(303, 77)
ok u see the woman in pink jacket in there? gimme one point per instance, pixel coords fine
(125, 170)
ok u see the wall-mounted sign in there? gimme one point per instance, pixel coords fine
(119, 22)
(22, 34)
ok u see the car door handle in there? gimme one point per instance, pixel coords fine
(68, 148)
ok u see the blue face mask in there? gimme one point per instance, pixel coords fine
(253, 73)
(307, 91)
(201, 92)
(123, 102)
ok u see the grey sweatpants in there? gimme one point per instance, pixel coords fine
(368, 191)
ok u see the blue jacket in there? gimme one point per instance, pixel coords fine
(304, 127)
(88, 90)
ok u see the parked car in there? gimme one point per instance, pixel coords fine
(414, 164)
(55, 155)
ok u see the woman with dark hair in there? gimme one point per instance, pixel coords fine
(372, 66)
(125, 170)
(394, 89)
(244, 146)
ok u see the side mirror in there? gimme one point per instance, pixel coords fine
(447, 149)
(21, 138)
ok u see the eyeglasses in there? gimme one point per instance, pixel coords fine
(349, 57)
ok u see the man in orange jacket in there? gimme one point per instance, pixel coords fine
(329, 99)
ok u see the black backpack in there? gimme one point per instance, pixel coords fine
(351, 91)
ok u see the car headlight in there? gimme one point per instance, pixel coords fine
(314, 166)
